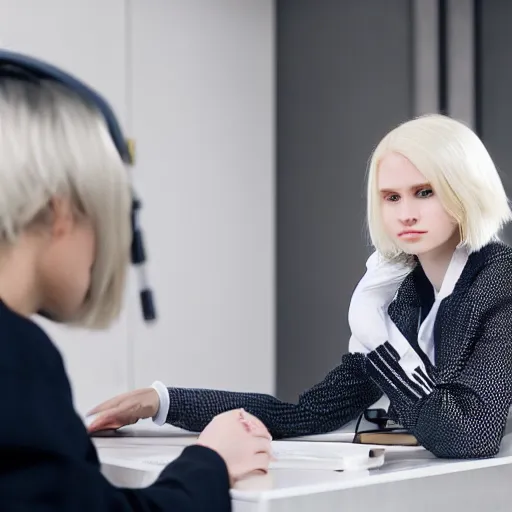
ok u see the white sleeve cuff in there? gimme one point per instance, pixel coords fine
(163, 409)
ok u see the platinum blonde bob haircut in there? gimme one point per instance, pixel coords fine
(459, 168)
(53, 144)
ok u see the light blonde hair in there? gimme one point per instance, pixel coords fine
(52, 144)
(458, 166)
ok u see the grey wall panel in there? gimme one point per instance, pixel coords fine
(460, 60)
(344, 79)
(494, 85)
(425, 57)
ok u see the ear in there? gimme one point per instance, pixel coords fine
(62, 218)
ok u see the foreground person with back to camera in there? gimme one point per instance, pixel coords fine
(65, 235)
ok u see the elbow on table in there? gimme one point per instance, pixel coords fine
(474, 432)
(462, 445)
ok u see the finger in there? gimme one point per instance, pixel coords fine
(254, 424)
(97, 425)
(262, 445)
(260, 431)
(109, 404)
(251, 418)
(91, 429)
(104, 425)
(110, 419)
(261, 462)
(247, 426)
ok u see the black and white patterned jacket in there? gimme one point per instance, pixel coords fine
(464, 415)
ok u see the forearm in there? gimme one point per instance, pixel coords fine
(193, 409)
(197, 481)
(451, 420)
(40, 480)
(341, 397)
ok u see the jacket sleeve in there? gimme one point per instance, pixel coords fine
(344, 394)
(463, 416)
(48, 462)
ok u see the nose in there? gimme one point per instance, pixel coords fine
(407, 213)
(409, 221)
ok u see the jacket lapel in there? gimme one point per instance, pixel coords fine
(414, 300)
(451, 342)
(404, 310)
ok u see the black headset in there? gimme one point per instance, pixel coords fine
(16, 65)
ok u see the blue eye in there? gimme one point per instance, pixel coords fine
(426, 192)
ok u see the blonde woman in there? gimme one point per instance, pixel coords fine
(431, 319)
(65, 239)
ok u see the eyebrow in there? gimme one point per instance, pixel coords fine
(412, 187)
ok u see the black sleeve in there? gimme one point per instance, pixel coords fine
(46, 462)
(344, 393)
(464, 416)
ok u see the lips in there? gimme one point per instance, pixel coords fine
(411, 233)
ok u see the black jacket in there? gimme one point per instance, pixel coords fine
(47, 461)
(465, 414)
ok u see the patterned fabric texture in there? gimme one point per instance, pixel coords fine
(458, 408)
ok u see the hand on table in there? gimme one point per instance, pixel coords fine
(241, 440)
(125, 409)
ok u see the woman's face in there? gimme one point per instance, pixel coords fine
(412, 213)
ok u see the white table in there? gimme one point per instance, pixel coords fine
(410, 480)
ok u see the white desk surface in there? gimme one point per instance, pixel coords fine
(411, 478)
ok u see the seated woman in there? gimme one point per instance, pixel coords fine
(431, 319)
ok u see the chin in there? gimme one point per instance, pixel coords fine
(422, 249)
(416, 249)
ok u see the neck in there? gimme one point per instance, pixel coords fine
(435, 263)
(18, 283)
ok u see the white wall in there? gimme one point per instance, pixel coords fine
(202, 77)
(192, 81)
